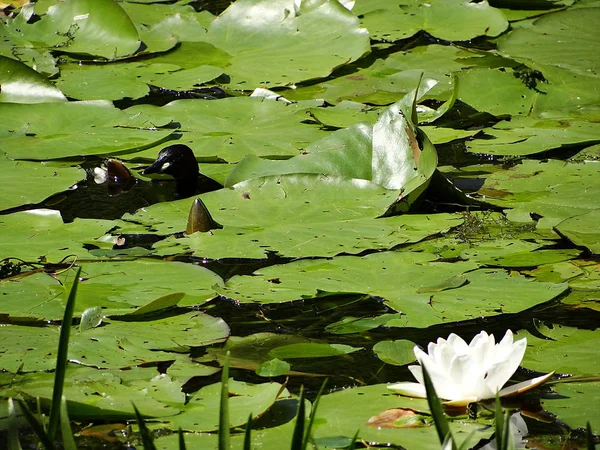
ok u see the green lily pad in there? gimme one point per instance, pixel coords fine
(85, 27)
(256, 218)
(576, 404)
(14, 46)
(567, 350)
(201, 413)
(27, 182)
(338, 416)
(298, 45)
(551, 189)
(385, 80)
(400, 279)
(397, 353)
(390, 21)
(63, 130)
(113, 286)
(311, 350)
(508, 96)
(95, 82)
(582, 230)
(41, 235)
(105, 395)
(386, 153)
(21, 84)
(253, 126)
(565, 39)
(114, 345)
(527, 136)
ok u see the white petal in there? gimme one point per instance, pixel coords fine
(417, 372)
(525, 386)
(458, 343)
(504, 368)
(469, 379)
(409, 389)
(482, 339)
(444, 355)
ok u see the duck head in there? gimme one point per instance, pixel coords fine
(178, 161)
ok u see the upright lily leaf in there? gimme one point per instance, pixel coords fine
(275, 45)
(21, 84)
(386, 153)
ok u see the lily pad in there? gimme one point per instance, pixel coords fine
(390, 21)
(86, 27)
(256, 218)
(27, 182)
(566, 350)
(401, 279)
(104, 395)
(114, 345)
(298, 45)
(527, 136)
(551, 189)
(565, 39)
(21, 84)
(336, 417)
(95, 82)
(113, 286)
(576, 404)
(63, 130)
(201, 413)
(41, 235)
(386, 153)
(582, 230)
(253, 126)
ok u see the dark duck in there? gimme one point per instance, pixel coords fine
(116, 191)
(178, 160)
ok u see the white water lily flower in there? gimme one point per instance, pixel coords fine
(463, 374)
(348, 4)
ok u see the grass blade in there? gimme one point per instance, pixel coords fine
(311, 417)
(37, 427)
(499, 425)
(248, 434)
(589, 437)
(352, 445)
(13, 427)
(507, 441)
(61, 359)
(65, 426)
(147, 440)
(437, 411)
(297, 437)
(224, 407)
(181, 439)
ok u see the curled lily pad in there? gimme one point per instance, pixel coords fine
(21, 84)
(386, 153)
